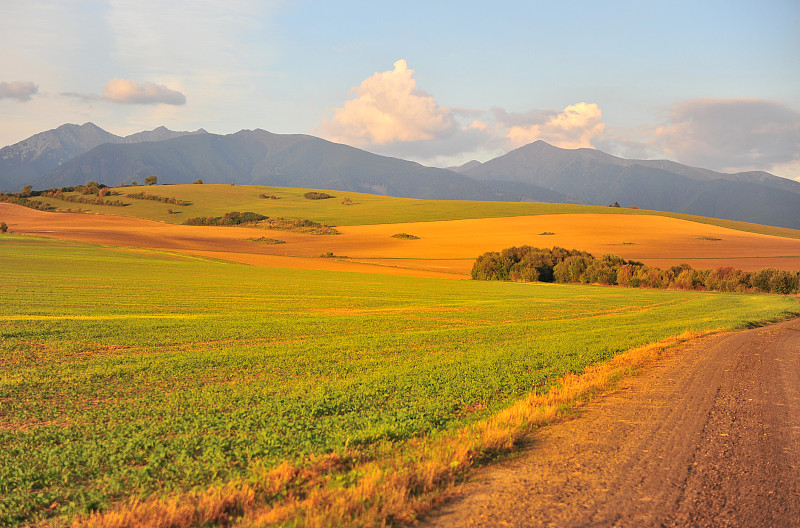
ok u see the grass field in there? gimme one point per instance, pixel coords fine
(364, 209)
(136, 373)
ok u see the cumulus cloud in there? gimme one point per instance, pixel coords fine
(19, 90)
(574, 127)
(731, 134)
(125, 91)
(388, 108)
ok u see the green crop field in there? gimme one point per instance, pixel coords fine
(359, 209)
(131, 373)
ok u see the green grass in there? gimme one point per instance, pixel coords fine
(216, 200)
(132, 372)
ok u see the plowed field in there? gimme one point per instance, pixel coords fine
(444, 248)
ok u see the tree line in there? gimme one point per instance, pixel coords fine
(530, 264)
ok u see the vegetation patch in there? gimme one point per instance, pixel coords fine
(315, 195)
(156, 198)
(228, 219)
(308, 227)
(268, 196)
(202, 391)
(15, 198)
(96, 200)
(530, 264)
(405, 236)
(267, 240)
(708, 238)
(546, 233)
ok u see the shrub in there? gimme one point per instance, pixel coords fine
(266, 240)
(774, 281)
(228, 219)
(164, 199)
(198, 181)
(314, 195)
(405, 236)
(151, 180)
(3, 227)
(299, 226)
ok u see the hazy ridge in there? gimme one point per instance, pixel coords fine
(72, 154)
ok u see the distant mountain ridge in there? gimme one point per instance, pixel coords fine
(29, 160)
(594, 177)
(72, 154)
(258, 157)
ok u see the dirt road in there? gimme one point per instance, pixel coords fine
(709, 437)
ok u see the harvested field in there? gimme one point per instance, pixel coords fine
(445, 248)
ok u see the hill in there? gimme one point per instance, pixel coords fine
(597, 178)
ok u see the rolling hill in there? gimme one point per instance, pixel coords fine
(71, 155)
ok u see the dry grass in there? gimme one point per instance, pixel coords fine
(386, 486)
(443, 247)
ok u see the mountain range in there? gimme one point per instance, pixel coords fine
(73, 154)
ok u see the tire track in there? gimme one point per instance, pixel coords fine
(708, 437)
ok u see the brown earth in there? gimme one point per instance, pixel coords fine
(444, 249)
(710, 436)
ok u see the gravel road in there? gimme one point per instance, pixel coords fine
(710, 436)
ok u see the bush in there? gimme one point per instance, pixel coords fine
(314, 195)
(228, 219)
(198, 181)
(405, 236)
(151, 180)
(3, 227)
(163, 199)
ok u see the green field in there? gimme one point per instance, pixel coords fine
(364, 209)
(131, 373)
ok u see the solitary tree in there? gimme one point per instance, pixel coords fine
(3, 227)
(151, 180)
(27, 190)
(198, 181)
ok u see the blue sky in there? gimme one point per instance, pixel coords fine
(712, 84)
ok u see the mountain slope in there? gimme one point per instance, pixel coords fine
(27, 161)
(257, 157)
(597, 178)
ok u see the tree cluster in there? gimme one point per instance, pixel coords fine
(530, 264)
(228, 219)
(164, 199)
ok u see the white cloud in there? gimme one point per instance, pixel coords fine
(731, 134)
(575, 127)
(19, 90)
(125, 91)
(388, 108)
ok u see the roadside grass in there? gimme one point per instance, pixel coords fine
(359, 209)
(150, 382)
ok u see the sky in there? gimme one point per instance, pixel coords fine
(714, 84)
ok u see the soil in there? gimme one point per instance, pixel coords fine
(710, 436)
(444, 249)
